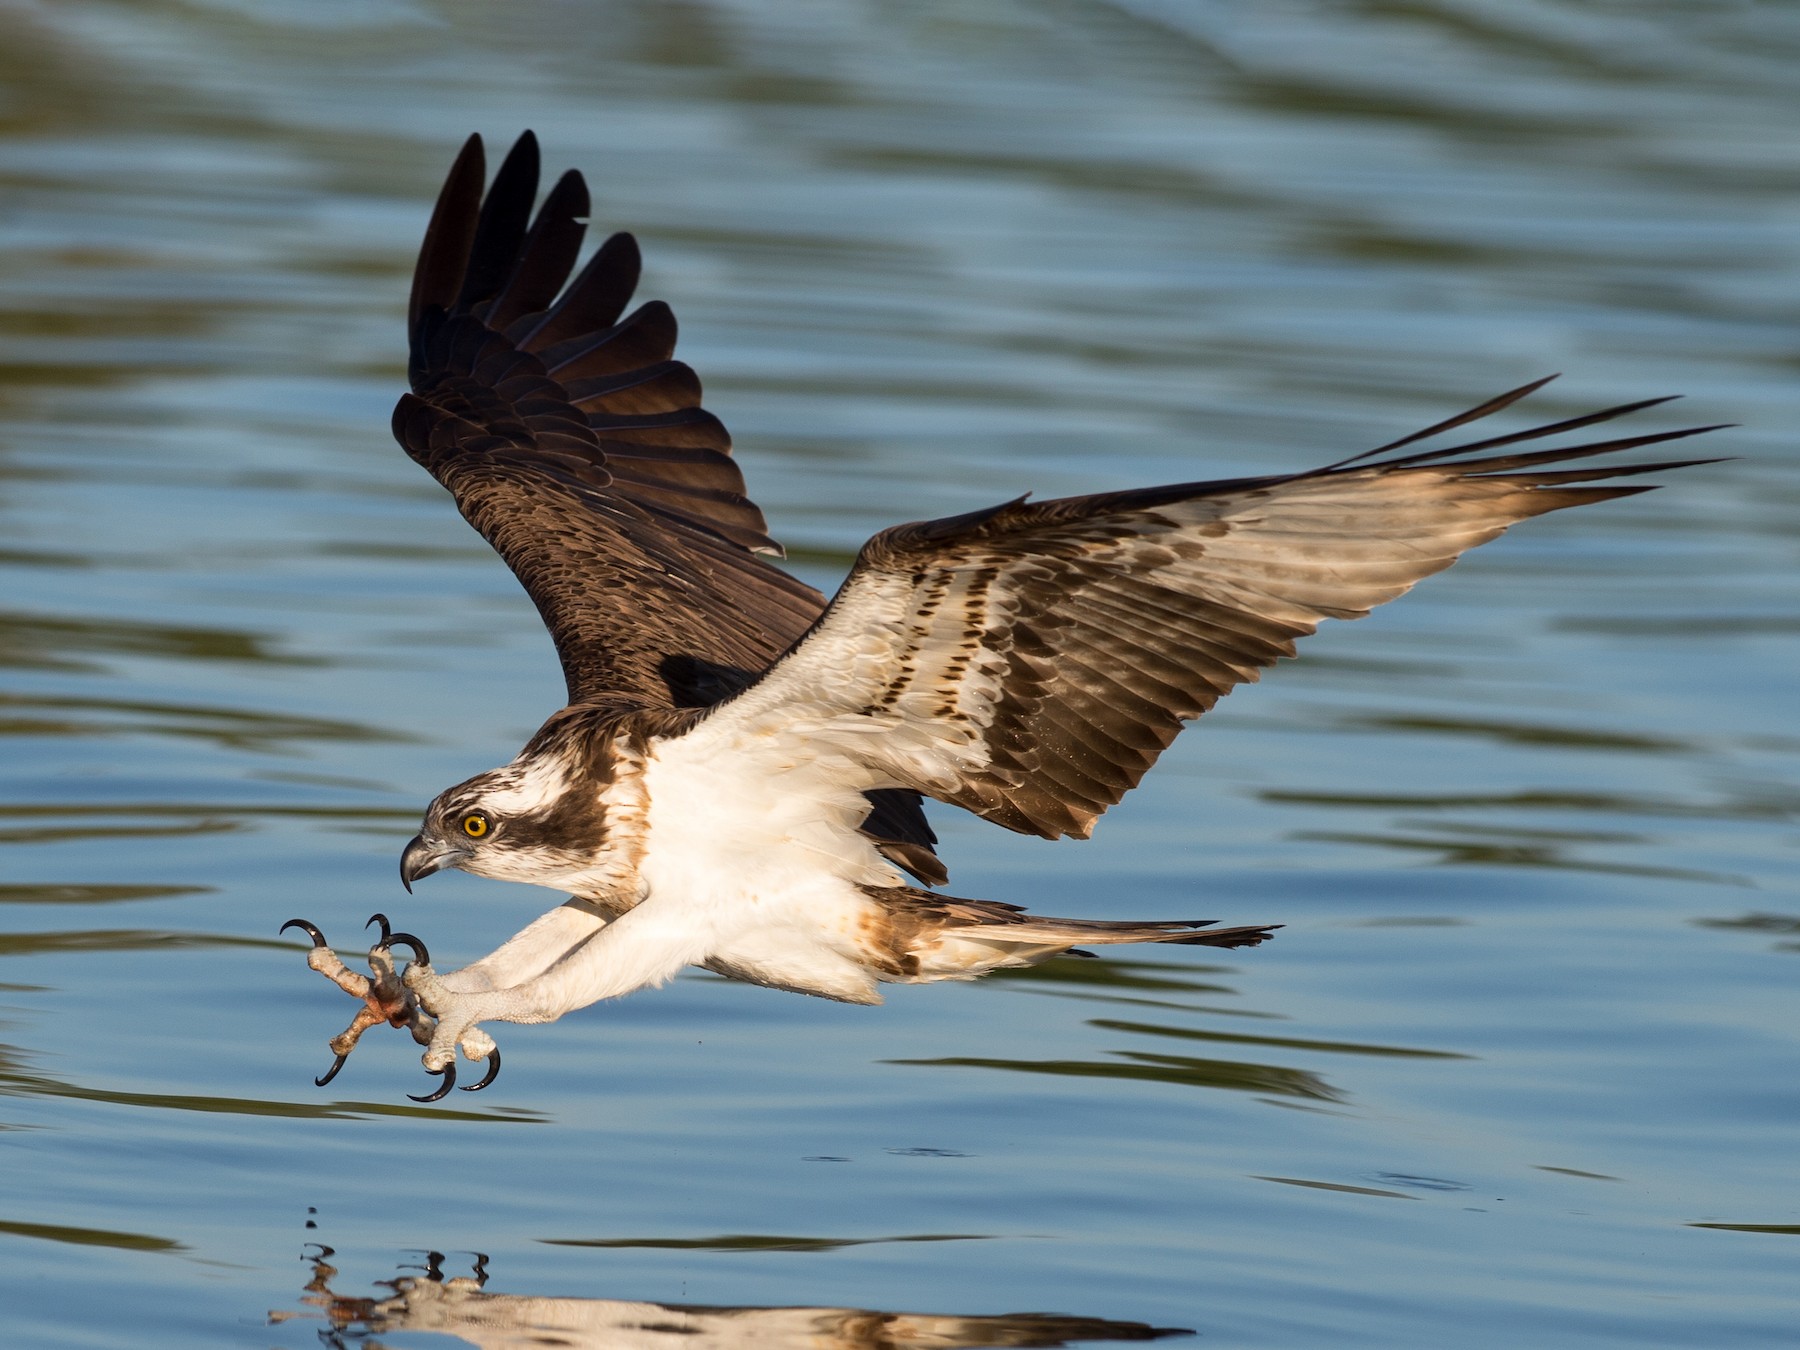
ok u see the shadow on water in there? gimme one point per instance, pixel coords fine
(1285, 1042)
(1094, 980)
(1520, 733)
(45, 642)
(463, 1307)
(90, 1237)
(759, 1242)
(18, 1081)
(124, 940)
(1340, 1187)
(229, 728)
(1681, 626)
(84, 822)
(1461, 844)
(63, 834)
(1097, 981)
(1182, 1070)
(67, 893)
(1785, 925)
(1772, 804)
(1112, 973)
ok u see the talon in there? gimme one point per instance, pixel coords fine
(381, 919)
(332, 1072)
(318, 938)
(420, 955)
(449, 1073)
(493, 1072)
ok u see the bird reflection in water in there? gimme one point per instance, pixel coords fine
(463, 1307)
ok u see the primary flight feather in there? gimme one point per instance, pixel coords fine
(736, 781)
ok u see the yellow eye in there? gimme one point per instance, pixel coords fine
(475, 825)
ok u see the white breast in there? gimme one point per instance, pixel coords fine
(768, 861)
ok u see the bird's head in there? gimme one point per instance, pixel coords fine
(532, 820)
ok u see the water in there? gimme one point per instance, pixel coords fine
(1521, 1068)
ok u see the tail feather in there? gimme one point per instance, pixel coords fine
(1033, 929)
(942, 937)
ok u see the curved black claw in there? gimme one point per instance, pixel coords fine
(318, 938)
(332, 1072)
(386, 932)
(420, 955)
(493, 1072)
(443, 1088)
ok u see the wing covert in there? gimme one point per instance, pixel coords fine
(1030, 662)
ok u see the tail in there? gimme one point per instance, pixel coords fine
(940, 937)
(1074, 933)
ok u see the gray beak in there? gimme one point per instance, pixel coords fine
(422, 858)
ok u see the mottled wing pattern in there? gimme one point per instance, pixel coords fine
(1030, 662)
(575, 443)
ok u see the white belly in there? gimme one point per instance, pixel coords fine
(769, 867)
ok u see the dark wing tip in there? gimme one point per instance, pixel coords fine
(1493, 405)
(444, 255)
(1462, 458)
(501, 225)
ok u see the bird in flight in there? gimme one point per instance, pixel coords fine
(736, 781)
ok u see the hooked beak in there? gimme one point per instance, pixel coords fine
(423, 857)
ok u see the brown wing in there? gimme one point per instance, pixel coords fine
(1031, 661)
(575, 443)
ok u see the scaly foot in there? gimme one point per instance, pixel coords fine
(385, 998)
(457, 1015)
(408, 1001)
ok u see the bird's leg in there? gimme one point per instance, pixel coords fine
(476, 1044)
(529, 952)
(567, 960)
(410, 1002)
(524, 956)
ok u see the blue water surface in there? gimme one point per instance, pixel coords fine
(1521, 1068)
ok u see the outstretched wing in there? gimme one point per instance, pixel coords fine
(1030, 662)
(576, 444)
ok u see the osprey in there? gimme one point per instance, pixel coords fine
(736, 781)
